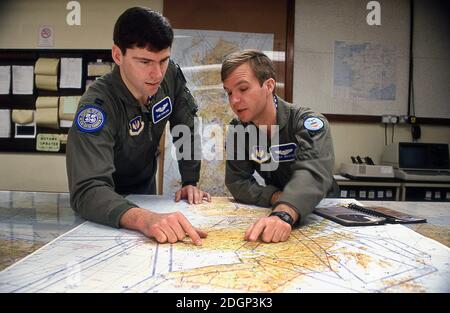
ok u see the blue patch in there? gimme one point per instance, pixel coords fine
(136, 126)
(313, 123)
(161, 110)
(90, 119)
(284, 152)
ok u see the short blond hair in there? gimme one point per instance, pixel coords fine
(260, 63)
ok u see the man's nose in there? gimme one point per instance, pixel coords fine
(157, 72)
(234, 100)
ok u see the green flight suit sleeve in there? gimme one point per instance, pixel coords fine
(312, 171)
(184, 114)
(240, 181)
(90, 164)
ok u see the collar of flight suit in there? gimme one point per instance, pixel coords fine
(283, 113)
(121, 89)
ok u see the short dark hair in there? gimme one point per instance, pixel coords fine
(143, 28)
(260, 63)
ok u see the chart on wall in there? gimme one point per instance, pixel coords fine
(200, 54)
(364, 71)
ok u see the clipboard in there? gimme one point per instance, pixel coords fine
(356, 215)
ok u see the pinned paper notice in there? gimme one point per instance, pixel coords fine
(68, 107)
(70, 73)
(48, 142)
(5, 79)
(5, 124)
(22, 80)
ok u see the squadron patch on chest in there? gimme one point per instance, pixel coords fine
(90, 119)
(136, 126)
(259, 154)
(284, 152)
(161, 110)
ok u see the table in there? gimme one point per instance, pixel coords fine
(29, 220)
(320, 255)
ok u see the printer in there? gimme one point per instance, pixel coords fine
(418, 161)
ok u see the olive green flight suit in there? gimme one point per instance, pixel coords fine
(305, 175)
(113, 144)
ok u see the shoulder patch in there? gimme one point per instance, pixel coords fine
(313, 123)
(90, 119)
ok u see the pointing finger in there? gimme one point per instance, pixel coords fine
(190, 230)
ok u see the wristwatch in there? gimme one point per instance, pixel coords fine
(284, 216)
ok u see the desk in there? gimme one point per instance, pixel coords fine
(319, 256)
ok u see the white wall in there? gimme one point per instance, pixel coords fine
(20, 21)
(319, 23)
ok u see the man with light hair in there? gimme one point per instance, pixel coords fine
(303, 151)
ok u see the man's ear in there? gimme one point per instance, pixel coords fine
(117, 55)
(270, 85)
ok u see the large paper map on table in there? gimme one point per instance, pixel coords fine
(320, 256)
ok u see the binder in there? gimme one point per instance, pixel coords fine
(356, 215)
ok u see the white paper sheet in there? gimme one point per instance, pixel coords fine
(5, 79)
(5, 124)
(71, 69)
(22, 79)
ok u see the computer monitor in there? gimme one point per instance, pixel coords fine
(411, 155)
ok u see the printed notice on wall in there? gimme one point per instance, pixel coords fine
(70, 73)
(45, 36)
(47, 142)
(5, 79)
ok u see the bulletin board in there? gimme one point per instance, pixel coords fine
(46, 139)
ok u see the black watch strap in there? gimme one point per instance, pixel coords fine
(193, 183)
(284, 216)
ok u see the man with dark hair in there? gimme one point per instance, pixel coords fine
(303, 154)
(113, 144)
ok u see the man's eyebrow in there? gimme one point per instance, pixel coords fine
(150, 60)
(240, 82)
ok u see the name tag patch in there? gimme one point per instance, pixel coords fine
(259, 154)
(284, 152)
(313, 123)
(136, 125)
(161, 110)
(90, 119)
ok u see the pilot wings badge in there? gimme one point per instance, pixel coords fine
(284, 152)
(161, 110)
(259, 154)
